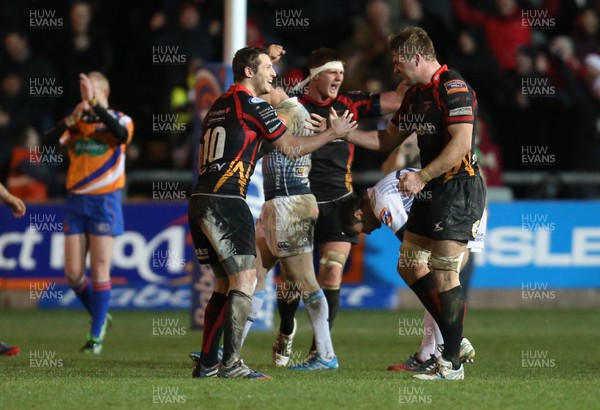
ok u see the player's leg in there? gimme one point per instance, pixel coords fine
(428, 345)
(229, 226)
(300, 271)
(101, 250)
(287, 305)
(76, 247)
(214, 313)
(447, 258)
(331, 268)
(239, 300)
(75, 252)
(413, 267)
(264, 262)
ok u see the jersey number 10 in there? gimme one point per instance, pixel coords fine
(212, 145)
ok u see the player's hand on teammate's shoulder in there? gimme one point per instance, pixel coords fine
(316, 123)
(341, 124)
(275, 52)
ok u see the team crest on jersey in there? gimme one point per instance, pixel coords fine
(301, 172)
(455, 86)
(255, 100)
(385, 216)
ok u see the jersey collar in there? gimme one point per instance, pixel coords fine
(239, 87)
(435, 78)
(320, 104)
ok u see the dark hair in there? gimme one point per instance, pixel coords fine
(410, 41)
(324, 55)
(347, 210)
(246, 57)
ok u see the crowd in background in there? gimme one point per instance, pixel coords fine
(535, 66)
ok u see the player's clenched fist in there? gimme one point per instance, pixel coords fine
(410, 183)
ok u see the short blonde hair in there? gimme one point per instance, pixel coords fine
(410, 41)
(100, 81)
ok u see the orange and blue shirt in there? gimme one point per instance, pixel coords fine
(97, 158)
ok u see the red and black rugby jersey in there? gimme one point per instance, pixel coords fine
(231, 135)
(429, 110)
(330, 176)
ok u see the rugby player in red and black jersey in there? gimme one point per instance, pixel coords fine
(221, 224)
(330, 176)
(440, 107)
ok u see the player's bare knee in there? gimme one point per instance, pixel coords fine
(446, 270)
(332, 261)
(412, 261)
(75, 277)
(331, 268)
(447, 263)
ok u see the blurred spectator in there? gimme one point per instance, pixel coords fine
(505, 31)
(192, 40)
(488, 154)
(15, 111)
(478, 67)
(532, 103)
(83, 49)
(32, 69)
(29, 175)
(413, 13)
(366, 53)
(563, 48)
(585, 34)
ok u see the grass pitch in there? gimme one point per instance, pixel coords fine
(529, 359)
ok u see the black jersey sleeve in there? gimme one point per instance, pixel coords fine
(367, 104)
(262, 117)
(457, 98)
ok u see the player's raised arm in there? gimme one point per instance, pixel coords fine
(293, 147)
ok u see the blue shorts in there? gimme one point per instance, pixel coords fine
(94, 214)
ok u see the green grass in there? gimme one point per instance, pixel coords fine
(135, 363)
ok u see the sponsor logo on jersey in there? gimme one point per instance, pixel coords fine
(218, 112)
(90, 147)
(202, 253)
(283, 246)
(455, 86)
(456, 112)
(255, 100)
(385, 216)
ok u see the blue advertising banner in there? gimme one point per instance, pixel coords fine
(555, 243)
(151, 266)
